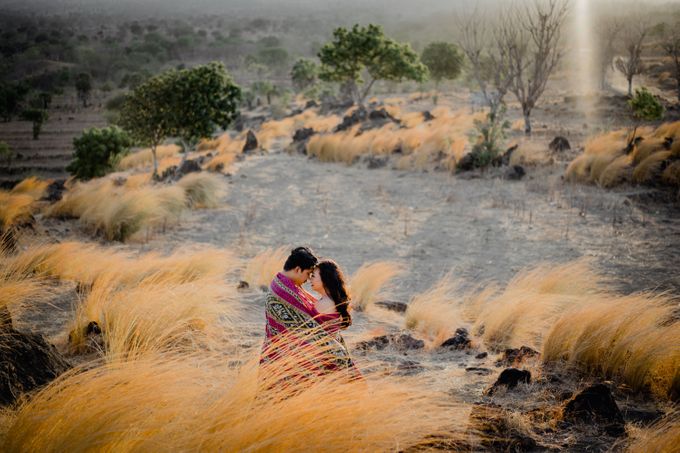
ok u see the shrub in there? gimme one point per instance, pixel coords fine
(203, 190)
(97, 152)
(37, 117)
(491, 133)
(262, 268)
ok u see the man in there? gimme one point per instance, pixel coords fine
(291, 330)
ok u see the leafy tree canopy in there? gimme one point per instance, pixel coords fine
(444, 60)
(304, 74)
(361, 50)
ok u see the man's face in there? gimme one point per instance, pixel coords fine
(302, 275)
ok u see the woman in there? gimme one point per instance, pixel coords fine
(333, 306)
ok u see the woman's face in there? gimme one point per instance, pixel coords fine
(317, 284)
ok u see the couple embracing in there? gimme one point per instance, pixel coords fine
(306, 327)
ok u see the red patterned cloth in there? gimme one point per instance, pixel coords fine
(296, 329)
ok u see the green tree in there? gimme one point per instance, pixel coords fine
(644, 107)
(11, 97)
(264, 88)
(83, 84)
(273, 57)
(444, 61)
(367, 50)
(38, 117)
(304, 74)
(204, 98)
(97, 151)
(145, 113)
(491, 133)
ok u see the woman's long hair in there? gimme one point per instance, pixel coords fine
(333, 281)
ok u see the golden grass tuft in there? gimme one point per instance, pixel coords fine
(440, 142)
(121, 212)
(436, 312)
(620, 170)
(632, 338)
(31, 186)
(671, 175)
(605, 163)
(530, 154)
(84, 263)
(530, 303)
(144, 158)
(646, 148)
(191, 403)
(369, 283)
(151, 317)
(662, 437)
(261, 269)
(650, 169)
(203, 190)
(15, 209)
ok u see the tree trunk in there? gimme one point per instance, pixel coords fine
(363, 95)
(436, 92)
(630, 86)
(269, 99)
(185, 148)
(155, 162)
(527, 122)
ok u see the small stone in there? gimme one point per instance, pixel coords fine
(510, 378)
(482, 355)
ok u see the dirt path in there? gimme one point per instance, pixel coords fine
(481, 229)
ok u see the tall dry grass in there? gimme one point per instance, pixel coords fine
(83, 263)
(442, 141)
(605, 162)
(144, 158)
(134, 211)
(633, 339)
(370, 283)
(662, 437)
(521, 312)
(151, 317)
(32, 186)
(15, 209)
(202, 190)
(192, 403)
(263, 267)
(436, 312)
(17, 287)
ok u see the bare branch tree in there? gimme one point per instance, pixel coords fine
(533, 40)
(608, 32)
(671, 45)
(482, 39)
(634, 35)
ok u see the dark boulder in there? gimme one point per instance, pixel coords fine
(460, 340)
(559, 144)
(427, 116)
(400, 342)
(243, 285)
(466, 163)
(375, 162)
(382, 114)
(515, 173)
(251, 142)
(357, 116)
(377, 343)
(399, 307)
(54, 191)
(481, 371)
(482, 355)
(512, 357)
(595, 406)
(188, 166)
(405, 342)
(311, 104)
(510, 378)
(27, 362)
(303, 134)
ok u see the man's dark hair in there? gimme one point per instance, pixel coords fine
(301, 257)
